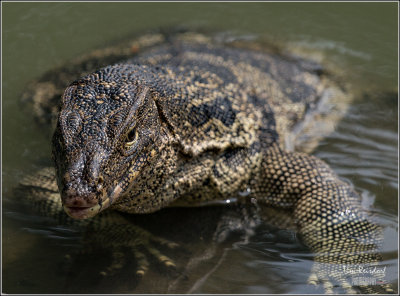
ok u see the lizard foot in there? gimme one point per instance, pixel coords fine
(125, 242)
(352, 278)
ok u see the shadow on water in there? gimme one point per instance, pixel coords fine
(362, 150)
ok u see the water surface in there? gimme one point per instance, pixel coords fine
(359, 39)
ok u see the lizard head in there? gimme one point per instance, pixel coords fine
(106, 134)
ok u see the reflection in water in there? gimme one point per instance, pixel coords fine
(363, 150)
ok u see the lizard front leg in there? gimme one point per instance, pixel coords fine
(109, 231)
(328, 215)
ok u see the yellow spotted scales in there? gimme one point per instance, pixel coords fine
(184, 120)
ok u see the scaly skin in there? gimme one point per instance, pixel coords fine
(189, 122)
(109, 230)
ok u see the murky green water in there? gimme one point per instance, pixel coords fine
(358, 38)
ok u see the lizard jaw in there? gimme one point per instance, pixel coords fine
(85, 212)
(81, 213)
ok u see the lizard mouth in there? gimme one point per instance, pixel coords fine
(85, 211)
(82, 212)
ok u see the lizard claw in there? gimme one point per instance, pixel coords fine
(313, 279)
(118, 261)
(142, 263)
(332, 276)
(129, 242)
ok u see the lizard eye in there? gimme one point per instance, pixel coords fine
(131, 138)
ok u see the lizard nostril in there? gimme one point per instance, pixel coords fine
(100, 182)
